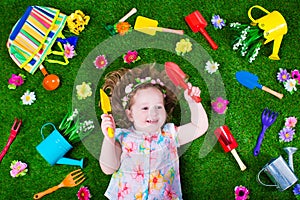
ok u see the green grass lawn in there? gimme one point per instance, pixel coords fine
(213, 176)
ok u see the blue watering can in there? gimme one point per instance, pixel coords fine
(54, 147)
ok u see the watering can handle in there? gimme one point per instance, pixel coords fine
(49, 123)
(259, 7)
(258, 179)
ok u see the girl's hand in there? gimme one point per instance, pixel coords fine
(194, 91)
(107, 122)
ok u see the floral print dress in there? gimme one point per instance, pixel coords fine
(149, 166)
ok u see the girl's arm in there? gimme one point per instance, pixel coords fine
(111, 150)
(199, 121)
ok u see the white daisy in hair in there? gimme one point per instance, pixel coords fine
(211, 67)
(28, 98)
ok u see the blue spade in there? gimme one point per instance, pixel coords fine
(250, 81)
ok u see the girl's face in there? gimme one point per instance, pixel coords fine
(147, 112)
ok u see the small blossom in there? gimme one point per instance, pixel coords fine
(84, 193)
(123, 27)
(183, 46)
(28, 98)
(290, 122)
(286, 134)
(296, 189)
(241, 193)
(296, 75)
(290, 85)
(100, 62)
(283, 75)
(211, 67)
(69, 50)
(217, 21)
(83, 91)
(220, 105)
(131, 57)
(18, 168)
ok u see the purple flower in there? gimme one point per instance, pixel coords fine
(241, 193)
(296, 189)
(286, 134)
(283, 75)
(296, 75)
(217, 21)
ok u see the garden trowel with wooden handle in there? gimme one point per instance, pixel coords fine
(250, 81)
(106, 108)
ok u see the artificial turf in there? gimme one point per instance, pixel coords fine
(213, 176)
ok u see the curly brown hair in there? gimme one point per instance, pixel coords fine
(116, 82)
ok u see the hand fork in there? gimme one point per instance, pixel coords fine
(268, 117)
(13, 133)
(73, 179)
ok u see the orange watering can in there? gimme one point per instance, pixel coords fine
(274, 26)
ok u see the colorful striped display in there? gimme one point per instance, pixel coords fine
(33, 36)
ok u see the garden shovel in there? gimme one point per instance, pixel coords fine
(149, 26)
(106, 108)
(250, 81)
(177, 76)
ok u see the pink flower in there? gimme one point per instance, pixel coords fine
(220, 105)
(84, 193)
(16, 80)
(296, 75)
(18, 168)
(290, 122)
(131, 57)
(241, 193)
(69, 50)
(138, 173)
(100, 62)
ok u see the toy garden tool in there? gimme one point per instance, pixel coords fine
(13, 133)
(228, 143)
(72, 179)
(149, 26)
(268, 117)
(197, 23)
(51, 81)
(54, 147)
(274, 26)
(177, 76)
(250, 81)
(106, 108)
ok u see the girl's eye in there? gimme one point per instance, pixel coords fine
(145, 108)
(159, 107)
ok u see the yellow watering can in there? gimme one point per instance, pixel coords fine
(274, 26)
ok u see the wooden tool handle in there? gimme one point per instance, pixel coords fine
(276, 94)
(168, 30)
(41, 194)
(238, 160)
(129, 14)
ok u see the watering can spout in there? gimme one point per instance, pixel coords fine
(69, 161)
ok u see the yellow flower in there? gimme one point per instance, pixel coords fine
(76, 21)
(84, 90)
(156, 181)
(183, 46)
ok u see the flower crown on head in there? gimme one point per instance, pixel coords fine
(139, 81)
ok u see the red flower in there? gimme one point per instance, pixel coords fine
(84, 193)
(131, 57)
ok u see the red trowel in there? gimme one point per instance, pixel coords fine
(197, 23)
(228, 143)
(178, 77)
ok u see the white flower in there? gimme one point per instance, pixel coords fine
(235, 24)
(28, 98)
(290, 85)
(128, 88)
(211, 67)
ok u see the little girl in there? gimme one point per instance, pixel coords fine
(142, 156)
